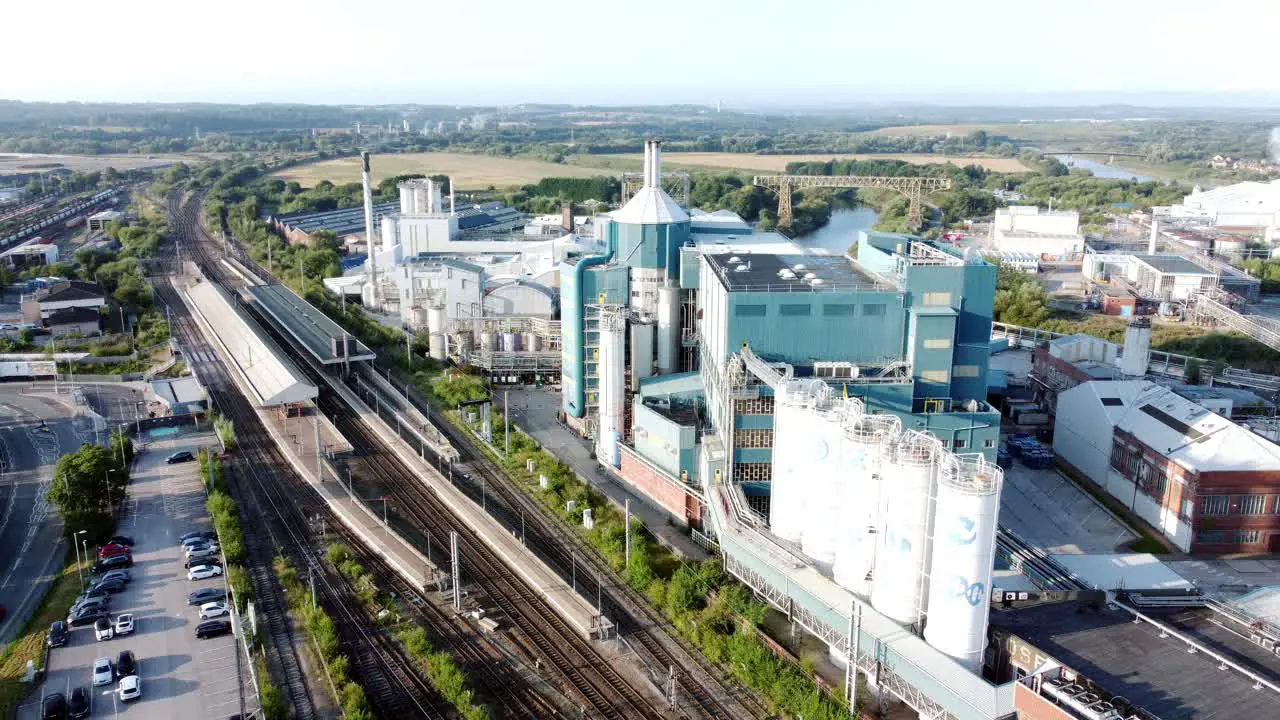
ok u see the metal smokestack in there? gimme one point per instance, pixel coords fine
(452, 196)
(1155, 235)
(368, 227)
(656, 163)
(648, 153)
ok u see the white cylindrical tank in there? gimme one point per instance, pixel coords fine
(866, 440)
(535, 342)
(668, 329)
(418, 317)
(464, 340)
(906, 508)
(388, 232)
(509, 342)
(488, 341)
(406, 199)
(1137, 348)
(435, 319)
(436, 346)
(612, 369)
(641, 353)
(799, 446)
(964, 545)
(824, 481)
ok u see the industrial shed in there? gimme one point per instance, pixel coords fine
(519, 297)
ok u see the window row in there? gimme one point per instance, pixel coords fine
(753, 438)
(752, 472)
(1237, 537)
(1219, 505)
(805, 309)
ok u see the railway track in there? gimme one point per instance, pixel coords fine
(280, 503)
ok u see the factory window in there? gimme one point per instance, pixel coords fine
(937, 344)
(753, 438)
(749, 311)
(961, 444)
(1246, 537)
(938, 376)
(1252, 504)
(752, 472)
(798, 310)
(1209, 537)
(964, 371)
(837, 310)
(937, 298)
(873, 310)
(946, 443)
(989, 442)
(754, 406)
(1214, 505)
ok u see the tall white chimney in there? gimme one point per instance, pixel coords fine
(452, 196)
(368, 227)
(656, 164)
(1155, 235)
(648, 154)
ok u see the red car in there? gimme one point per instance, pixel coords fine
(112, 549)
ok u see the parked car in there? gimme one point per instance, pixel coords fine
(130, 688)
(121, 540)
(57, 634)
(103, 673)
(196, 535)
(212, 628)
(121, 575)
(103, 630)
(202, 554)
(192, 562)
(115, 562)
(85, 616)
(203, 546)
(201, 572)
(93, 593)
(126, 665)
(54, 707)
(94, 604)
(180, 457)
(206, 595)
(110, 549)
(108, 586)
(78, 705)
(124, 624)
(208, 611)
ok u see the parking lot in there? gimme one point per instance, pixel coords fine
(1047, 509)
(181, 677)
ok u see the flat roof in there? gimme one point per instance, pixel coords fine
(272, 378)
(1171, 265)
(766, 272)
(307, 324)
(1155, 674)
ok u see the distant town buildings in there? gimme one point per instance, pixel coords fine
(1225, 162)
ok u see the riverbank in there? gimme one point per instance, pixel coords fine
(840, 232)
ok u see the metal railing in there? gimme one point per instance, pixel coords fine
(1207, 305)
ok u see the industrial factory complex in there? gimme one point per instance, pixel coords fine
(825, 420)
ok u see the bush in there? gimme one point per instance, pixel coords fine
(274, 704)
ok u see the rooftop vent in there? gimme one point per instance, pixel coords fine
(785, 273)
(798, 267)
(810, 276)
(735, 259)
(815, 282)
(741, 268)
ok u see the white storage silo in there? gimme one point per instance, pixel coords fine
(785, 489)
(612, 368)
(436, 346)
(388, 232)
(668, 329)
(641, 353)
(435, 319)
(964, 545)
(488, 341)
(906, 509)
(867, 439)
(824, 480)
(509, 342)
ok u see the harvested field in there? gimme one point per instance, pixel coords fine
(469, 171)
(25, 163)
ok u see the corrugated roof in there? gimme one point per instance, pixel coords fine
(307, 324)
(1171, 264)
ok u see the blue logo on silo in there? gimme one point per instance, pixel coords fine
(965, 531)
(973, 594)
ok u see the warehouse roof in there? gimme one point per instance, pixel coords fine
(339, 221)
(63, 316)
(307, 324)
(271, 377)
(68, 290)
(757, 272)
(1186, 433)
(1171, 265)
(178, 391)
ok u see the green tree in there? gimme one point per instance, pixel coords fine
(86, 485)
(133, 292)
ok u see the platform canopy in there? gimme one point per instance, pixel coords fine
(270, 375)
(322, 337)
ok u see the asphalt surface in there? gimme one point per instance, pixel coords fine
(181, 677)
(28, 525)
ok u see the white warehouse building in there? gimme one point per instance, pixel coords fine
(1251, 205)
(1034, 230)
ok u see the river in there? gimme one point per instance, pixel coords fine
(1101, 170)
(841, 230)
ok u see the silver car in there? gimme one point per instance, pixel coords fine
(103, 673)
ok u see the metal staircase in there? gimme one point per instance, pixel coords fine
(1211, 305)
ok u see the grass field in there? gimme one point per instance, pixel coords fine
(16, 164)
(778, 163)
(470, 171)
(30, 645)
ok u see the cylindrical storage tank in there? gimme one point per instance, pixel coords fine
(964, 546)
(488, 341)
(436, 346)
(668, 329)
(418, 318)
(406, 199)
(866, 439)
(388, 232)
(526, 341)
(517, 342)
(641, 353)
(824, 479)
(464, 340)
(509, 342)
(793, 452)
(435, 319)
(902, 553)
(535, 342)
(612, 368)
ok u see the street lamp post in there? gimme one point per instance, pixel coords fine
(106, 479)
(75, 542)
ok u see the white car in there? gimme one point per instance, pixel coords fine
(212, 610)
(103, 673)
(130, 688)
(200, 572)
(124, 624)
(102, 629)
(198, 550)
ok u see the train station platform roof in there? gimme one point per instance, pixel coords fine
(270, 375)
(322, 337)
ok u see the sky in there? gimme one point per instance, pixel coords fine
(743, 52)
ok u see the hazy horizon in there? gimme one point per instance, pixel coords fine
(826, 54)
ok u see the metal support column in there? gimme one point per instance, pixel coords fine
(457, 571)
